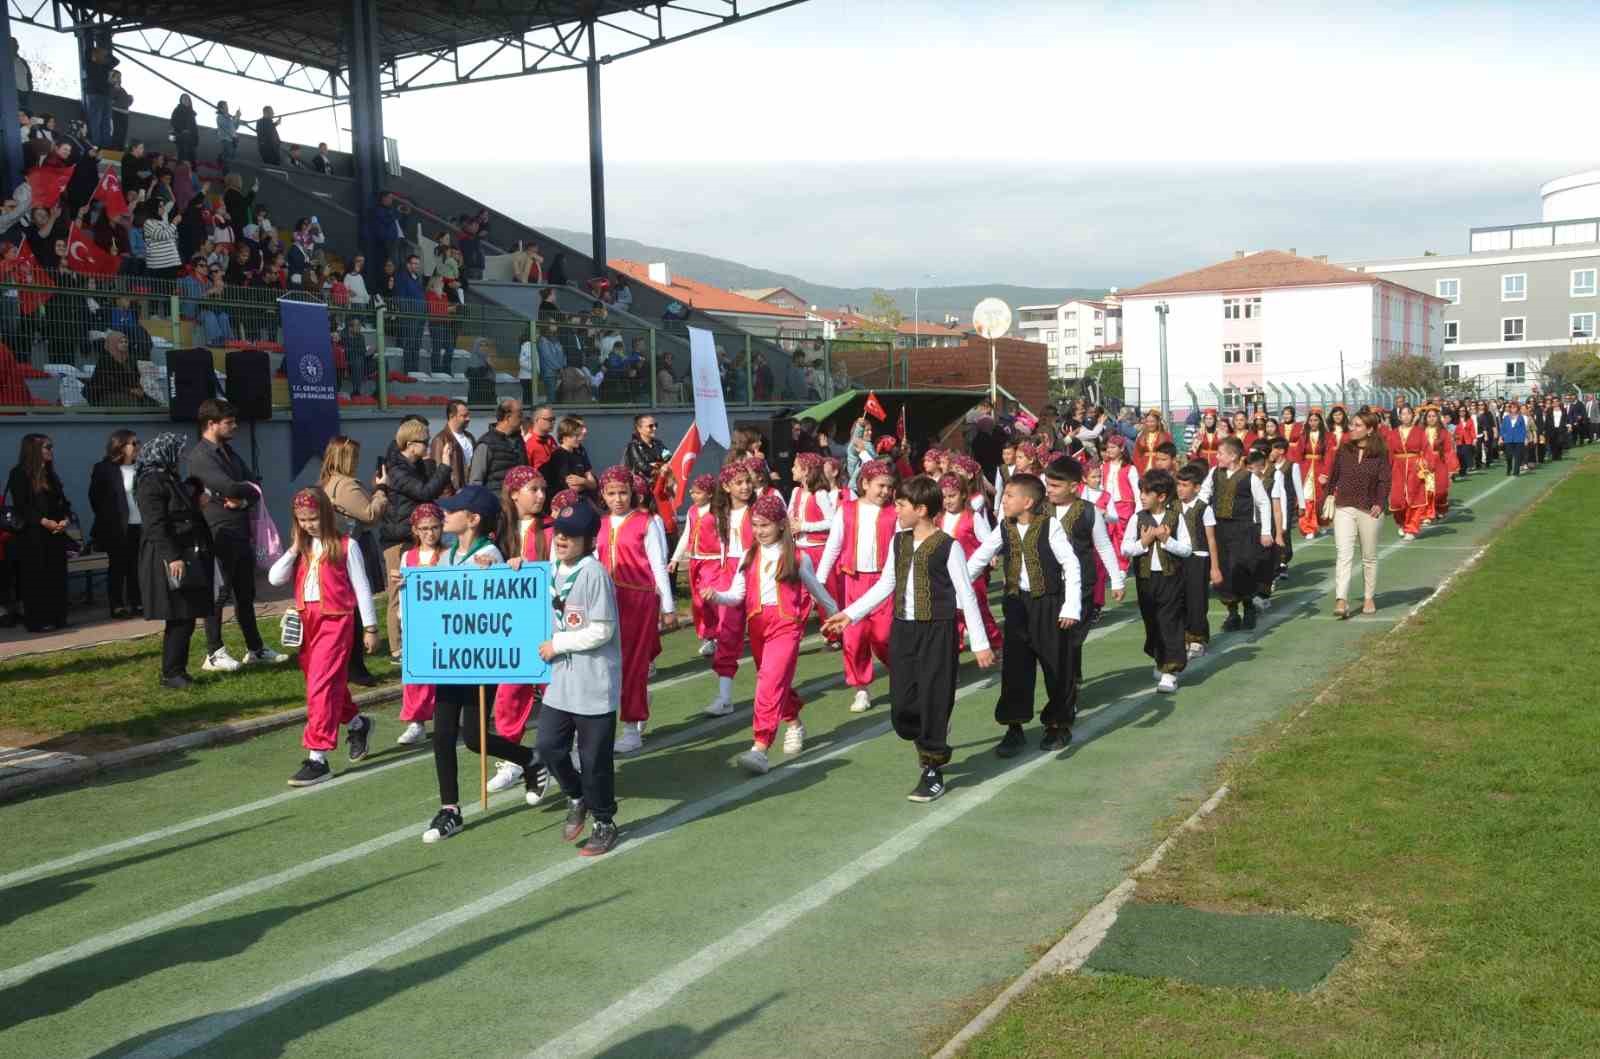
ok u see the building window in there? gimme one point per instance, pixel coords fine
(1583, 285)
(1252, 308)
(1452, 332)
(1516, 371)
(1452, 373)
(1252, 352)
(1230, 353)
(1230, 308)
(1071, 332)
(1513, 328)
(1448, 289)
(1514, 287)
(1583, 325)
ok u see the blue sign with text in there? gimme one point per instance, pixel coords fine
(467, 625)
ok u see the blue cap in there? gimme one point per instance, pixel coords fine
(474, 498)
(578, 520)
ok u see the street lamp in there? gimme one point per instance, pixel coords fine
(1161, 321)
(916, 318)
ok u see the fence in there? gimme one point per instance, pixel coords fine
(89, 343)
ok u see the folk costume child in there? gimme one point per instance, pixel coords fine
(728, 523)
(471, 514)
(1043, 602)
(859, 545)
(1288, 473)
(1121, 480)
(925, 580)
(968, 527)
(634, 555)
(417, 700)
(1157, 540)
(1201, 524)
(1314, 456)
(1085, 526)
(1411, 474)
(1243, 512)
(774, 586)
(811, 507)
(330, 593)
(698, 552)
(1152, 435)
(1206, 438)
(585, 690)
(525, 534)
(1258, 460)
(1443, 458)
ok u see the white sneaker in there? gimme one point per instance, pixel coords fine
(651, 673)
(708, 648)
(632, 740)
(1196, 650)
(1408, 536)
(1263, 603)
(794, 740)
(862, 702)
(220, 661)
(1155, 673)
(506, 776)
(1169, 683)
(718, 708)
(1310, 536)
(754, 760)
(265, 656)
(414, 734)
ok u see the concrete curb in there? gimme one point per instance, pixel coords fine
(73, 771)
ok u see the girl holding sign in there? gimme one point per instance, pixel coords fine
(773, 587)
(330, 588)
(417, 700)
(526, 533)
(471, 514)
(634, 554)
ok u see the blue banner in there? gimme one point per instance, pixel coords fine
(467, 625)
(313, 383)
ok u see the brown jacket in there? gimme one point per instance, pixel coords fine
(443, 449)
(351, 499)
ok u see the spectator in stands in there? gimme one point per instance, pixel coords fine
(175, 568)
(357, 363)
(236, 201)
(500, 448)
(193, 230)
(23, 73)
(410, 478)
(473, 260)
(227, 133)
(214, 320)
(388, 227)
(232, 491)
(668, 389)
(117, 524)
(355, 281)
(185, 129)
(410, 302)
(115, 382)
(622, 297)
(321, 162)
(558, 270)
(40, 504)
(121, 105)
(267, 141)
(446, 262)
(136, 168)
(549, 309)
(48, 229)
(239, 272)
(764, 380)
(295, 161)
(161, 256)
(440, 330)
(521, 264)
(552, 362)
(97, 93)
(453, 446)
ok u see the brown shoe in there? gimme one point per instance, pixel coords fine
(1341, 609)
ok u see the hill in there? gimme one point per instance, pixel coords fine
(720, 272)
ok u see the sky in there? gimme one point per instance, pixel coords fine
(898, 142)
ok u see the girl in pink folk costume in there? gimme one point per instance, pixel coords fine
(773, 587)
(525, 537)
(811, 508)
(1091, 491)
(858, 545)
(330, 591)
(968, 528)
(728, 522)
(635, 555)
(417, 700)
(1120, 479)
(701, 553)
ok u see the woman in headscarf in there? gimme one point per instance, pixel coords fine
(175, 556)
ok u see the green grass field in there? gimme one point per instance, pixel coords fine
(197, 906)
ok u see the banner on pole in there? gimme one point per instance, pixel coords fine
(468, 625)
(710, 407)
(313, 384)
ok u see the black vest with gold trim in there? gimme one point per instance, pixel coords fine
(1028, 547)
(928, 568)
(1195, 520)
(1077, 518)
(1170, 564)
(1226, 502)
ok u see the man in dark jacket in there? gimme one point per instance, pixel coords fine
(410, 478)
(410, 303)
(232, 492)
(454, 445)
(500, 448)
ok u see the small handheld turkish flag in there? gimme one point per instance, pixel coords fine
(109, 192)
(874, 408)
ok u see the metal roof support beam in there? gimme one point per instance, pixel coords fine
(366, 114)
(10, 133)
(597, 163)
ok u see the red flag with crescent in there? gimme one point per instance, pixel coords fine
(682, 462)
(47, 182)
(22, 269)
(85, 257)
(109, 193)
(874, 408)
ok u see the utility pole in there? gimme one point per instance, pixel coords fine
(1166, 405)
(1342, 398)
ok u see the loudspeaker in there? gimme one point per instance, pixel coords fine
(250, 383)
(191, 379)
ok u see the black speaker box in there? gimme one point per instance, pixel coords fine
(191, 379)
(250, 383)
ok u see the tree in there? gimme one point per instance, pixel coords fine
(1107, 374)
(1409, 371)
(1564, 369)
(884, 311)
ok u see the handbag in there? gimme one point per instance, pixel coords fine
(10, 521)
(290, 631)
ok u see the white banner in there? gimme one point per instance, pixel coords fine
(710, 409)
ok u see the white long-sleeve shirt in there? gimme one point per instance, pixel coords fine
(1258, 496)
(906, 605)
(767, 558)
(696, 513)
(655, 552)
(1060, 547)
(868, 561)
(1104, 549)
(1113, 482)
(1201, 547)
(1178, 545)
(282, 573)
(980, 523)
(825, 502)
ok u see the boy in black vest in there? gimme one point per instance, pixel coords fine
(1086, 532)
(1290, 471)
(1157, 540)
(1201, 523)
(930, 571)
(1259, 462)
(1244, 528)
(1043, 603)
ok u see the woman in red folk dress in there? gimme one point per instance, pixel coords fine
(1338, 427)
(1443, 460)
(1411, 477)
(1314, 454)
(1206, 439)
(1152, 435)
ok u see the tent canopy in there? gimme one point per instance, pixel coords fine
(928, 412)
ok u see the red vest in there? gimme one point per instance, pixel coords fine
(1127, 495)
(621, 552)
(336, 594)
(1290, 432)
(964, 534)
(702, 530)
(794, 602)
(536, 542)
(808, 511)
(847, 553)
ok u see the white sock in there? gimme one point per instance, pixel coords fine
(319, 756)
(725, 689)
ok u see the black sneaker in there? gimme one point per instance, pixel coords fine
(577, 813)
(601, 839)
(311, 773)
(536, 781)
(1055, 739)
(930, 787)
(177, 683)
(1249, 617)
(1232, 623)
(446, 822)
(1012, 742)
(359, 737)
(363, 679)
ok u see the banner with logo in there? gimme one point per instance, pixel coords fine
(313, 384)
(710, 408)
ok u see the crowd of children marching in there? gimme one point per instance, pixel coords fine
(901, 569)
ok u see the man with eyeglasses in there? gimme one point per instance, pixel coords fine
(539, 438)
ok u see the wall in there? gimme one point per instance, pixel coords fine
(1304, 330)
(1020, 369)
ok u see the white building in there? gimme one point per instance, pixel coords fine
(1069, 331)
(1269, 326)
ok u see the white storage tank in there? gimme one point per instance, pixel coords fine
(1571, 198)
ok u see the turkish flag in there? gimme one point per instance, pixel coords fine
(83, 256)
(23, 270)
(109, 193)
(874, 409)
(900, 431)
(47, 182)
(681, 465)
